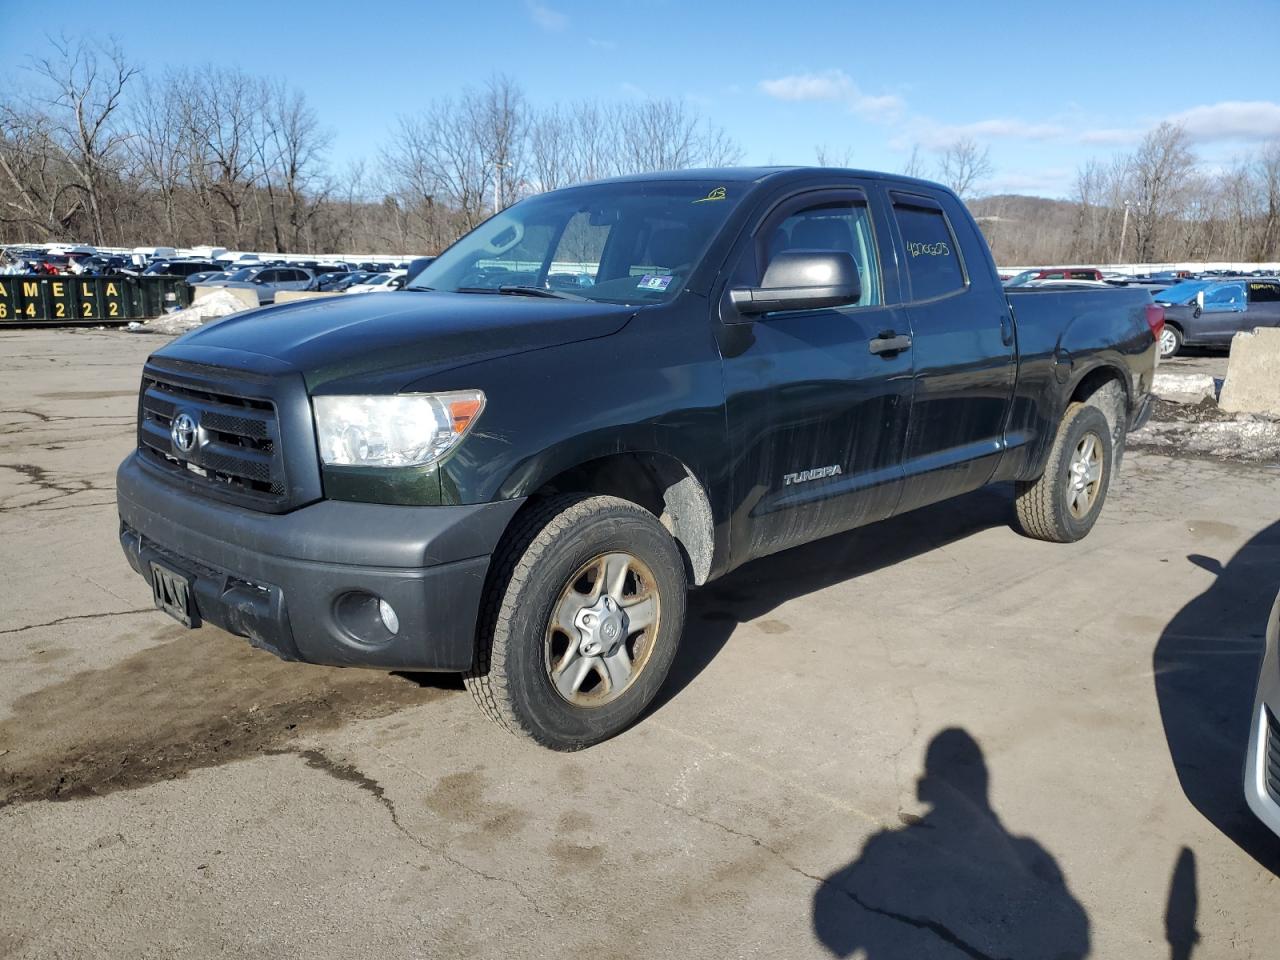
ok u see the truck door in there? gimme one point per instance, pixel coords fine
(817, 412)
(962, 344)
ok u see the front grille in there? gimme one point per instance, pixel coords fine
(237, 449)
(1273, 756)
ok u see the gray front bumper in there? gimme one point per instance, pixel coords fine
(1262, 765)
(277, 579)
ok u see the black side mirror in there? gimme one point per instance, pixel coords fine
(802, 280)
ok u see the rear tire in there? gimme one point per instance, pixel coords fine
(1064, 503)
(561, 657)
(1170, 341)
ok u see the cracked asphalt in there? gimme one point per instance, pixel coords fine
(928, 738)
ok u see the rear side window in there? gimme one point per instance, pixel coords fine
(1264, 293)
(933, 257)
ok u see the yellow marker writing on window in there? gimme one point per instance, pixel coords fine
(717, 194)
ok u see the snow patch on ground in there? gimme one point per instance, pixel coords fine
(213, 306)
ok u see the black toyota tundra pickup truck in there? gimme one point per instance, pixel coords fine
(515, 467)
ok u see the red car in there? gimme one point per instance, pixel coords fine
(1055, 273)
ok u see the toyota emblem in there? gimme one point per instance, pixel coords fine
(183, 432)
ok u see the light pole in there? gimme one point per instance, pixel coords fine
(1124, 227)
(498, 167)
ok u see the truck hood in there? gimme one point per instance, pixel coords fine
(381, 342)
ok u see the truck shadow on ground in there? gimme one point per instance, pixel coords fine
(1206, 669)
(753, 590)
(954, 882)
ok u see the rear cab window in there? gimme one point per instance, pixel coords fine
(934, 265)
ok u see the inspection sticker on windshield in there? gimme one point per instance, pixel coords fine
(652, 281)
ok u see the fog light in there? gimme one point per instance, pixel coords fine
(388, 615)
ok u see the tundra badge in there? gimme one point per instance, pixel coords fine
(817, 473)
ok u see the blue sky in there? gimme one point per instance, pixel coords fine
(1045, 87)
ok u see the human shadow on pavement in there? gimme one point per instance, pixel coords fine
(1183, 908)
(756, 588)
(952, 883)
(1206, 669)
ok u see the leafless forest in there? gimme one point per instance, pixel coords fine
(96, 150)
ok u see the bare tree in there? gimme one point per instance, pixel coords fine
(499, 120)
(1161, 168)
(84, 87)
(1267, 170)
(38, 195)
(156, 148)
(830, 157)
(915, 165)
(963, 165)
(291, 148)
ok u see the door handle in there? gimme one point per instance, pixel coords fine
(1006, 331)
(890, 343)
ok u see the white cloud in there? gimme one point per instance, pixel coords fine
(1110, 136)
(601, 44)
(938, 136)
(548, 19)
(834, 86)
(1231, 120)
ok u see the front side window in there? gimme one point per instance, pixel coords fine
(627, 242)
(933, 257)
(844, 227)
(1228, 296)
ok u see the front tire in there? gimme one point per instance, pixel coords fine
(583, 614)
(1064, 503)
(1170, 341)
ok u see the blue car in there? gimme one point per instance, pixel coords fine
(1209, 313)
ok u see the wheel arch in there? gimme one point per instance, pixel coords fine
(1106, 386)
(659, 482)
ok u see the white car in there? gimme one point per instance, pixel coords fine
(380, 283)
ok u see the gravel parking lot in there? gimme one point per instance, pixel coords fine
(928, 738)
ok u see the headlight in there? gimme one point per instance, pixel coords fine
(399, 431)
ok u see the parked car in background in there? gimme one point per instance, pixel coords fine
(356, 276)
(415, 267)
(379, 283)
(179, 267)
(266, 280)
(329, 282)
(1054, 273)
(101, 265)
(197, 278)
(1208, 313)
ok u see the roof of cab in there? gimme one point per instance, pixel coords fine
(758, 174)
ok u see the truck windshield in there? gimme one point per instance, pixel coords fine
(627, 242)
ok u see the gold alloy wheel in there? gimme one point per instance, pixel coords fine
(602, 629)
(1084, 476)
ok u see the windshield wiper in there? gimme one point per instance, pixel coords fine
(415, 287)
(515, 290)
